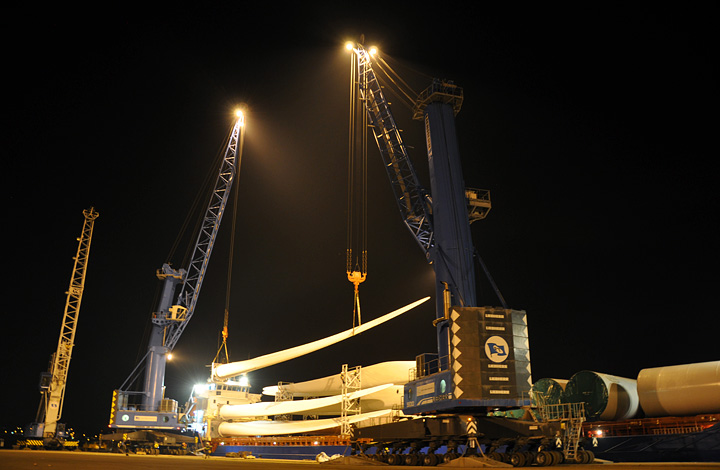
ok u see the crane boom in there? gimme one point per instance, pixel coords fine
(440, 224)
(53, 385)
(173, 314)
(460, 374)
(412, 199)
(211, 224)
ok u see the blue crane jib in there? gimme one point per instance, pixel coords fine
(439, 223)
(411, 197)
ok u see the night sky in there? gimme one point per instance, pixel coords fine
(593, 128)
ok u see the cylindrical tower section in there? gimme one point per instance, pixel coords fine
(606, 397)
(687, 389)
(548, 391)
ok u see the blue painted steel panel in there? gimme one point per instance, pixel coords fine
(702, 446)
(285, 452)
(458, 405)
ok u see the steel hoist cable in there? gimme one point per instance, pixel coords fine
(356, 260)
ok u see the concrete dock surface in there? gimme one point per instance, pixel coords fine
(65, 460)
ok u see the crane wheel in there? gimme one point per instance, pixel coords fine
(581, 457)
(518, 459)
(412, 459)
(496, 456)
(585, 456)
(53, 444)
(544, 458)
(430, 459)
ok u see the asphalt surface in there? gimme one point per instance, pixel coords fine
(64, 460)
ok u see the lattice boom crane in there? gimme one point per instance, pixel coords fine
(482, 363)
(147, 408)
(53, 382)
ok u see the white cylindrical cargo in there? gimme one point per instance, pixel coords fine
(687, 389)
(606, 397)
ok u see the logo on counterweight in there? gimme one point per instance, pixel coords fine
(496, 348)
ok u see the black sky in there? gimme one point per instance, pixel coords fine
(593, 127)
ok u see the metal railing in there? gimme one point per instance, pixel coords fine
(425, 367)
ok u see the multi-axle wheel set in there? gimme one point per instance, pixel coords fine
(394, 454)
(434, 440)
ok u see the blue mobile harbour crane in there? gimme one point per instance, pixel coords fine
(460, 397)
(144, 419)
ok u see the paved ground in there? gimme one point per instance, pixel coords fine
(64, 460)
